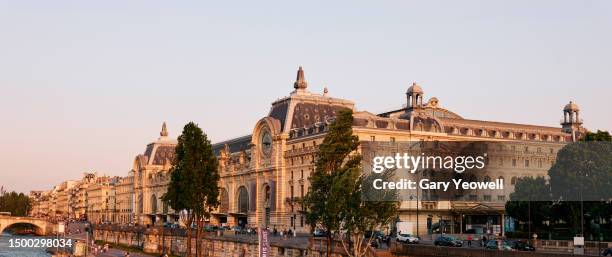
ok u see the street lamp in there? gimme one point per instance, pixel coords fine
(585, 166)
(417, 211)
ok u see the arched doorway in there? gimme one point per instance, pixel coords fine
(267, 202)
(140, 205)
(224, 199)
(153, 208)
(243, 205)
(223, 206)
(153, 204)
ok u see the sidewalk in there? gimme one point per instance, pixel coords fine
(120, 253)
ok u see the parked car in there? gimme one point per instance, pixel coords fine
(237, 229)
(378, 238)
(521, 246)
(319, 233)
(407, 238)
(210, 228)
(448, 241)
(494, 245)
(378, 234)
(607, 252)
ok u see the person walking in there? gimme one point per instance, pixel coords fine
(469, 240)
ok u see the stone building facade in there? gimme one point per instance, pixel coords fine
(151, 176)
(79, 200)
(101, 200)
(264, 175)
(124, 200)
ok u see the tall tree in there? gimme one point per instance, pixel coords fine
(334, 199)
(322, 202)
(193, 188)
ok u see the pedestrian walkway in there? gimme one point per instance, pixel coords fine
(384, 253)
(120, 253)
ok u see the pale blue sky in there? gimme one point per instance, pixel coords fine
(85, 85)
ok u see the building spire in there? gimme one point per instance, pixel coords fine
(164, 131)
(300, 81)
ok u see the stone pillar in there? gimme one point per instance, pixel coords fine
(502, 225)
(460, 223)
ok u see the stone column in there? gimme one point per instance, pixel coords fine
(502, 225)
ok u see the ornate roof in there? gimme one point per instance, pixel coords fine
(159, 152)
(302, 109)
(233, 145)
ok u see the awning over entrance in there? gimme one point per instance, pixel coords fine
(477, 208)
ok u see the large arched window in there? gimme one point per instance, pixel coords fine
(153, 204)
(243, 200)
(224, 199)
(140, 204)
(267, 202)
(267, 196)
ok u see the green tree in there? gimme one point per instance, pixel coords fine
(582, 175)
(326, 193)
(18, 204)
(597, 136)
(193, 188)
(334, 200)
(365, 208)
(582, 171)
(530, 203)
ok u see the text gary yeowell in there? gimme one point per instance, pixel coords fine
(459, 164)
(409, 184)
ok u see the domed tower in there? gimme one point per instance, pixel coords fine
(414, 96)
(571, 118)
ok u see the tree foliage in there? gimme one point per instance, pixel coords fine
(598, 136)
(581, 175)
(193, 188)
(530, 201)
(334, 199)
(17, 204)
(366, 209)
(582, 165)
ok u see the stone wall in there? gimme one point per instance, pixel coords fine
(156, 240)
(436, 251)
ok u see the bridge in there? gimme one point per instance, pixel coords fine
(42, 226)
